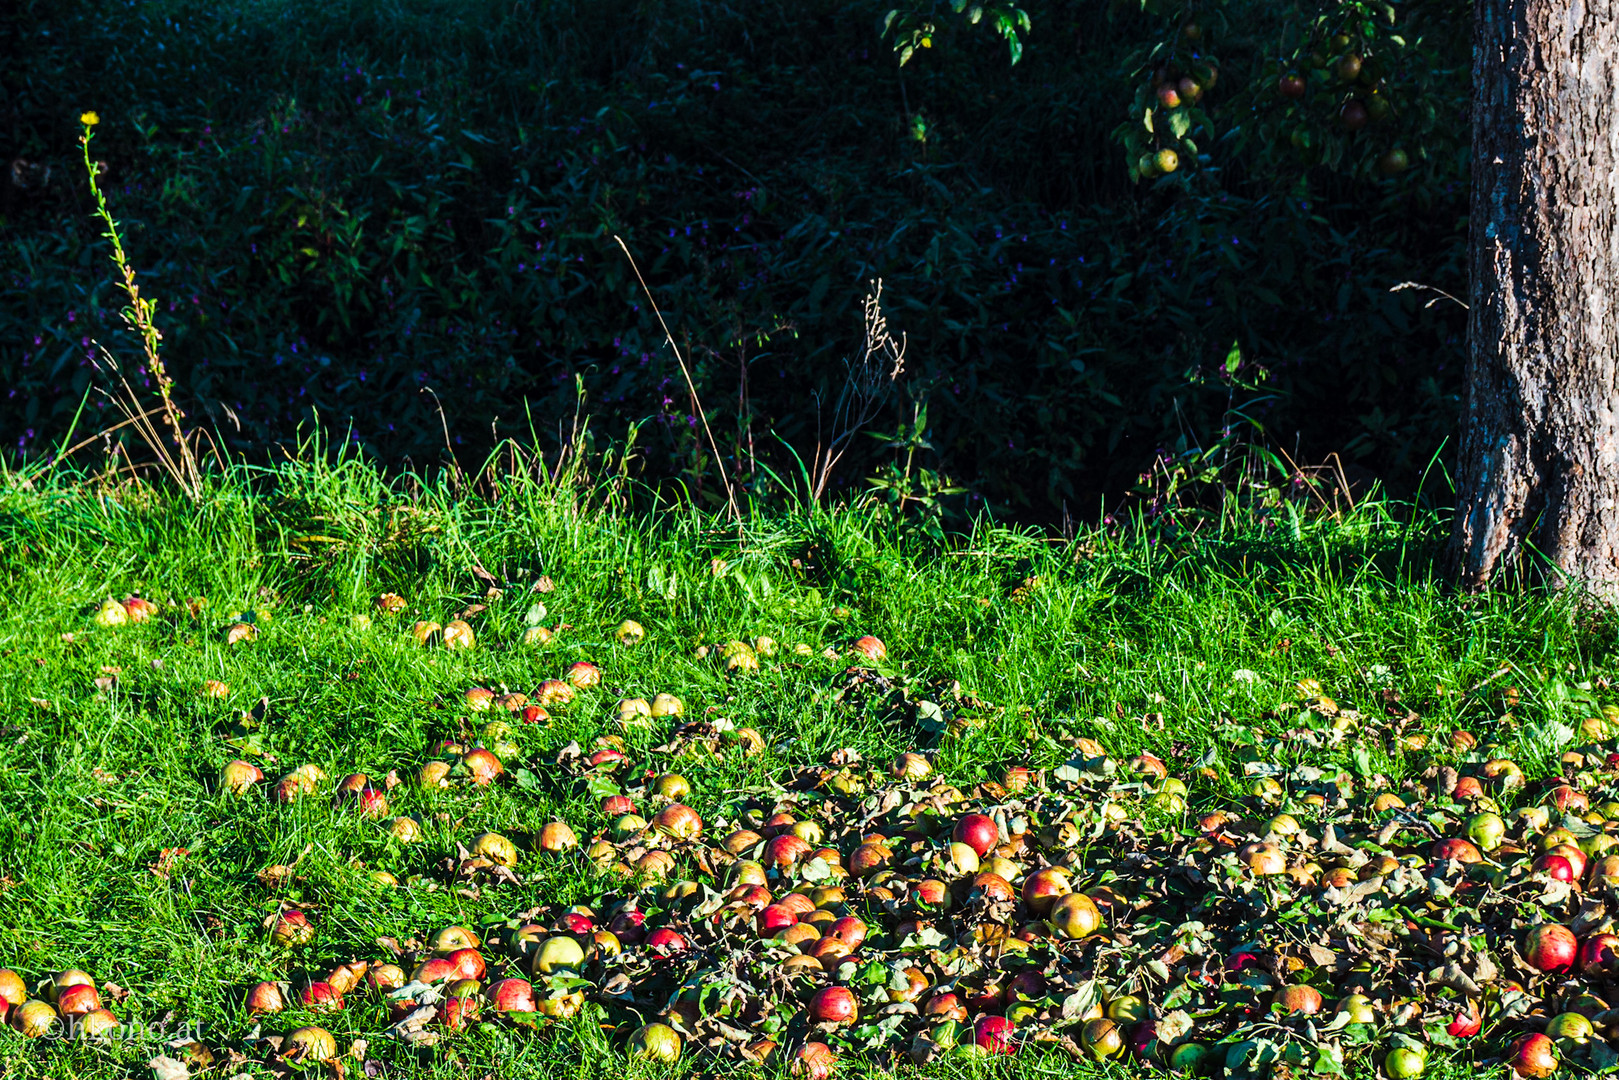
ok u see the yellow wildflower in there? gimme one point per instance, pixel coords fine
(89, 119)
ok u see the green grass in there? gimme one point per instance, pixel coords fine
(1211, 635)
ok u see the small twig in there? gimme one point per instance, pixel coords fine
(730, 496)
(455, 462)
(1443, 295)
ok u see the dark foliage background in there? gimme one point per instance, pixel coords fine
(356, 212)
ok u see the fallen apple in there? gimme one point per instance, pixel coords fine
(655, 1042)
(309, 1044)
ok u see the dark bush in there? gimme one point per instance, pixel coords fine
(355, 213)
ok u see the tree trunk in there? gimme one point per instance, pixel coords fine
(1538, 479)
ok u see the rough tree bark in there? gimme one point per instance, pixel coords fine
(1538, 479)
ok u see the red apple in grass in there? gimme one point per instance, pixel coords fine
(321, 997)
(834, 1005)
(371, 803)
(385, 977)
(1603, 866)
(265, 997)
(814, 1061)
(1577, 859)
(870, 857)
(932, 892)
(1551, 947)
(525, 941)
(756, 897)
(1533, 1056)
(139, 608)
(435, 969)
(869, 647)
(828, 950)
(345, 978)
(583, 673)
(13, 991)
(1102, 1038)
(618, 805)
(803, 935)
(292, 927)
(916, 984)
(78, 1000)
(1027, 984)
(1568, 799)
(977, 831)
(64, 979)
(627, 926)
(553, 692)
(797, 903)
(911, 766)
(483, 766)
(239, 776)
(945, 1005)
(993, 887)
(1074, 916)
(993, 1034)
(556, 837)
(33, 1019)
(578, 923)
(459, 1013)
(451, 938)
(511, 995)
(561, 952)
(678, 821)
(468, 963)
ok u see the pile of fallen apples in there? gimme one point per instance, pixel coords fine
(1279, 921)
(853, 911)
(68, 1002)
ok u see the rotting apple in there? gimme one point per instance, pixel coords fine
(309, 1044)
(239, 776)
(34, 1019)
(320, 996)
(292, 927)
(557, 837)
